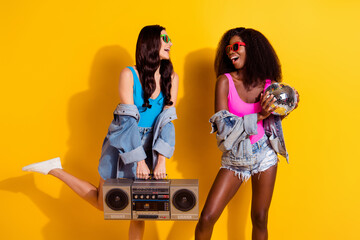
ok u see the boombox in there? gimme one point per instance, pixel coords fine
(172, 199)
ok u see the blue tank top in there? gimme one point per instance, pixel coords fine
(147, 115)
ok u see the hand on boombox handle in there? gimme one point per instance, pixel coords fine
(151, 177)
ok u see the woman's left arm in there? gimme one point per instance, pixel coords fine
(164, 147)
(160, 169)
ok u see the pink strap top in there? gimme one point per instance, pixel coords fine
(240, 108)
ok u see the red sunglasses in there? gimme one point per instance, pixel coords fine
(235, 47)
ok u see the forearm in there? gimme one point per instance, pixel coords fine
(161, 159)
(160, 169)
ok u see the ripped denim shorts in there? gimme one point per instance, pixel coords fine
(265, 156)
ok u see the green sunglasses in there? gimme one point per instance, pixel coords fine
(166, 38)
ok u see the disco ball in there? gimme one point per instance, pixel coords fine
(285, 98)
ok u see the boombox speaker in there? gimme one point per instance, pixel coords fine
(174, 199)
(184, 199)
(117, 198)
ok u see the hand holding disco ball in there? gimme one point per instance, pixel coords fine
(286, 99)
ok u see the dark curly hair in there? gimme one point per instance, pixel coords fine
(148, 61)
(261, 60)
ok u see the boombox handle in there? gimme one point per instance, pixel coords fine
(151, 177)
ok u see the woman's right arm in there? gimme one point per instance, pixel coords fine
(221, 93)
(224, 125)
(126, 84)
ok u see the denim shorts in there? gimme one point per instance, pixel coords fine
(111, 166)
(265, 157)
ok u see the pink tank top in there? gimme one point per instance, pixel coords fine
(240, 108)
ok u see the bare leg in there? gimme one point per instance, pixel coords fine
(84, 189)
(262, 188)
(136, 230)
(94, 196)
(223, 189)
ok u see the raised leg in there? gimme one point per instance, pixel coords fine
(83, 188)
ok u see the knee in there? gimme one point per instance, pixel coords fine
(137, 225)
(260, 219)
(207, 219)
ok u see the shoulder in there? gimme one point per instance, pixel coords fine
(126, 72)
(126, 76)
(222, 81)
(221, 93)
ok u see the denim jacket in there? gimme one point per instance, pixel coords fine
(233, 136)
(273, 129)
(123, 141)
(164, 134)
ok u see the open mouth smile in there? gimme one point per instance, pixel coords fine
(234, 59)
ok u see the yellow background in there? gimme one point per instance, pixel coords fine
(59, 65)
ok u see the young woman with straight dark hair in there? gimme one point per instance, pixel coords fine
(245, 65)
(132, 148)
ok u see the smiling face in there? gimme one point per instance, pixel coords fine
(165, 47)
(237, 57)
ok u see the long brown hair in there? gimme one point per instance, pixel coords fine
(148, 61)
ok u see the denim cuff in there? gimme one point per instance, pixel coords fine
(163, 148)
(250, 124)
(278, 147)
(135, 155)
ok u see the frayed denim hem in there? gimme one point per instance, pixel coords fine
(263, 170)
(241, 175)
(245, 176)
